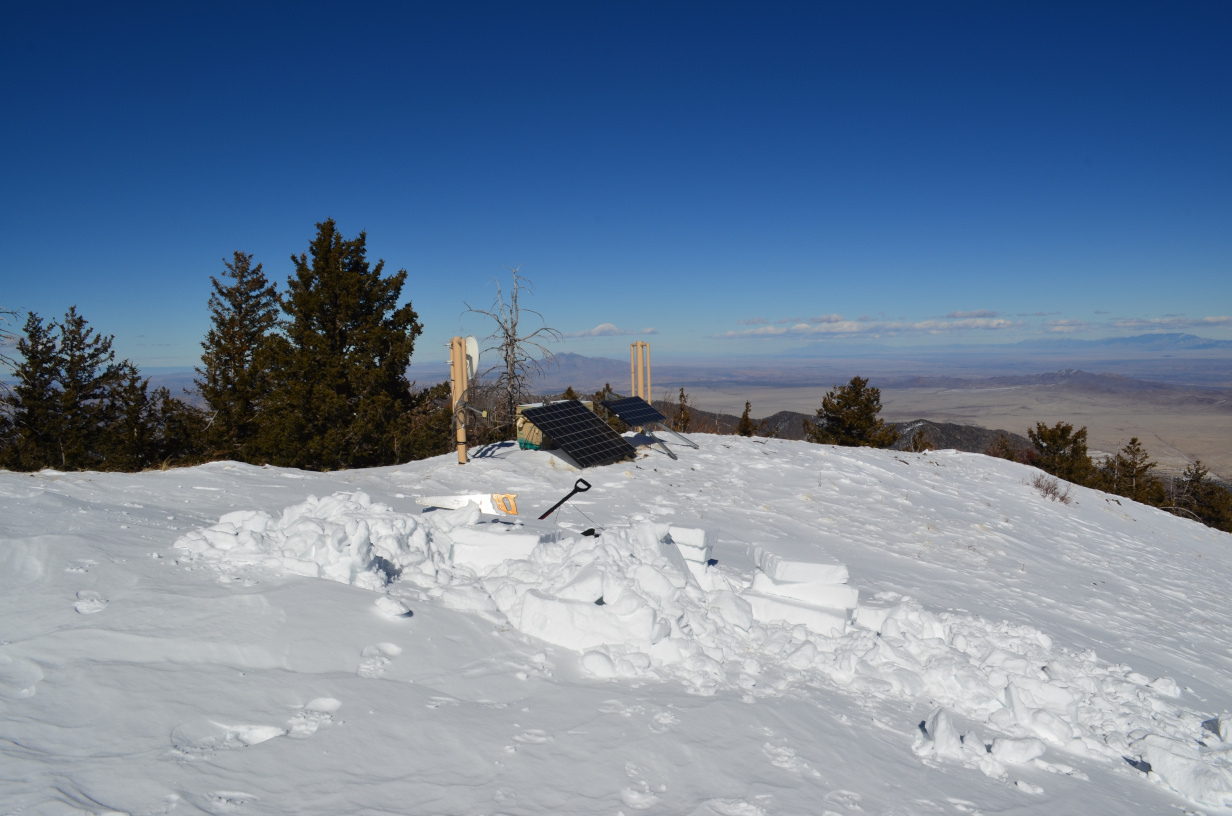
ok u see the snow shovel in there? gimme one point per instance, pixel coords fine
(580, 486)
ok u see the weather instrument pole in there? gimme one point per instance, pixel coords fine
(639, 369)
(463, 363)
(457, 386)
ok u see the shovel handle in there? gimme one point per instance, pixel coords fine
(580, 486)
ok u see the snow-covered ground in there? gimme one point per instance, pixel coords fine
(228, 639)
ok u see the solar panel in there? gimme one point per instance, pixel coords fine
(581, 434)
(634, 411)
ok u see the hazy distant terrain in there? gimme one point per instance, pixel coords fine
(1174, 392)
(1176, 424)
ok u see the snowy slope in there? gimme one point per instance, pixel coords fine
(1035, 657)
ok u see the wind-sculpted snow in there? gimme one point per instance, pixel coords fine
(629, 603)
(1007, 653)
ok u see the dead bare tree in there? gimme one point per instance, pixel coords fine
(8, 340)
(520, 356)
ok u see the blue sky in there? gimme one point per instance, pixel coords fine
(737, 178)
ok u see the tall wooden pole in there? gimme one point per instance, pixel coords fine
(458, 385)
(633, 369)
(639, 369)
(648, 396)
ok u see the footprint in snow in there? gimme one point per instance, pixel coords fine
(618, 707)
(846, 798)
(374, 659)
(203, 737)
(19, 677)
(80, 565)
(785, 758)
(727, 807)
(89, 602)
(533, 736)
(437, 702)
(638, 800)
(663, 721)
(640, 796)
(226, 801)
(317, 713)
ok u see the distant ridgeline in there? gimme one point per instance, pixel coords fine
(790, 425)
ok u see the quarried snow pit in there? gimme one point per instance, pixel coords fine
(640, 602)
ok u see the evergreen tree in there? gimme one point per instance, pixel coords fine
(232, 380)
(1003, 447)
(848, 417)
(682, 417)
(606, 393)
(339, 394)
(569, 394)
(87, 372)
(1199, 497)
(179, 436)
(746, 427)
(1128, 474)
(427, 429)
(32, 406)
(129, 427)
(1062, 452)
(75, 408)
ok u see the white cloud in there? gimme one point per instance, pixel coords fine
(609, 330)
(976, 313)
(1174, 322)
(830, 318)
(1066, 326)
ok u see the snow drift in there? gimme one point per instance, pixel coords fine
(783, 628)
(631, 603)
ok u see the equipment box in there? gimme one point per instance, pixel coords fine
(529, 435)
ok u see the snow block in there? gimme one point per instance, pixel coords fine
(486, 545)
(767, 608)
(582, 625)
(832, 596)
(694, 543)
(873, 616)
(1181, 766)
(1016, 751)
(781, 569)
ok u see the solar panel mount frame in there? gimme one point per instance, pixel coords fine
(577, 431)
(636, 411)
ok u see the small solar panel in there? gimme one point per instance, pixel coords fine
(634, 411)
(581, 434)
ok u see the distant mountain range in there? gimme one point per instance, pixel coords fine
(790, 425)
(1139, 342)
(1072, 378)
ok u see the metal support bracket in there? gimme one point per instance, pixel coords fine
(683, 439)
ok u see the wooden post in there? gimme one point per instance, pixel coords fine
(648, 396)
(458, 385)
(633, 369)
(639, 369)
